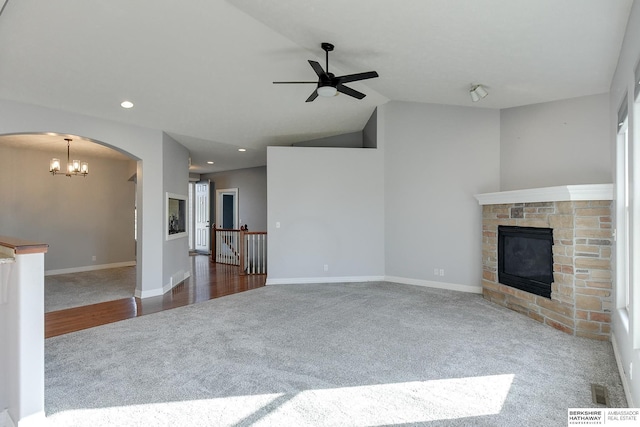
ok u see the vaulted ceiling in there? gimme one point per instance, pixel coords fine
(202, 70)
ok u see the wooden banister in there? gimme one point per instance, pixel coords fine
(241, 247)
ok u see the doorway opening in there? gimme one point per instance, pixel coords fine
(227, 209)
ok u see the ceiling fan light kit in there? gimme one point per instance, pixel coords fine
(328, 84)
(327, 91)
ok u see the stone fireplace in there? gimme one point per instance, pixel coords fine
(581, 219)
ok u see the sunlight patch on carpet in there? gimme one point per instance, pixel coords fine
(409, 402)
(379, 404)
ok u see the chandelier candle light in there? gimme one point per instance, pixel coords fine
(74, 168)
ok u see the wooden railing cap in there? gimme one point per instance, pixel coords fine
(21, 246)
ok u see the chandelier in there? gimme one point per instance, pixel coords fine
(74, 167)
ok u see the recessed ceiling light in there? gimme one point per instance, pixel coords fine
(209, 162)
(126, 104)
(242, 149)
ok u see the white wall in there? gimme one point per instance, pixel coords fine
(623, 83)
(330, 206)
(78, 217)
(23, 356)
(252, 194)
(436, 158)
(141, 143)
(555, 143)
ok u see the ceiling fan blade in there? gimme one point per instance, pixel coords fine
(313, 96)
(294, 83)
(359, 76)
(317, 68)
(351, 92)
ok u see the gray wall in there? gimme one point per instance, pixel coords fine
(78, 217)
(144, 144)
(347, 140)
(370, 131)
(555, 143)
(176, 181)
(330, 206)
(252, 194)
(398, 211)
(436, 158)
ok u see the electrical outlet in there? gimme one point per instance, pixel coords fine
(278, 224)
(93, 258)
(326, 267)
(442, 271)
(435, 272)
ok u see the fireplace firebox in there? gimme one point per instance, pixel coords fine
(525, 258)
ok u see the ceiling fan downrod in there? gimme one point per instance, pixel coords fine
(327, 47)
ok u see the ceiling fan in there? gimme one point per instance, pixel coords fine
(328, 83)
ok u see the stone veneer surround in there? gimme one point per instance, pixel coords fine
(581, 294)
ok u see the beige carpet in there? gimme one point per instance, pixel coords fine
(367, 354)
(64, 291)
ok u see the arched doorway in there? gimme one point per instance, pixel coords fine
(88, 221)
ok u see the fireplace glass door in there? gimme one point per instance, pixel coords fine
(525, 259)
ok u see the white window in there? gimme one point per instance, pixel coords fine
(622, 211)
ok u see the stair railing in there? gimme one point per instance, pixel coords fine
(241, 247)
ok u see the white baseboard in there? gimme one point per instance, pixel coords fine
(437, 285)
(89, 268)
(623, 377)
(5, 419)
(148, 294)
(308, 280)
(394, 279)
(173, 282)
(34, 420)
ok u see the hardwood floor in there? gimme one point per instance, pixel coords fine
(208, 280)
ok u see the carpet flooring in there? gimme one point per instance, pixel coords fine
(64, 291)
(366, 354)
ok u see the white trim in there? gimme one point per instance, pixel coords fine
(159, 292)
(38, 419)
(392, 279)
(5, 419)
(309, 280)
(90, 268)
(625, 383)
(166, 288)
(148, 294)
(437, 285)
(548, 194)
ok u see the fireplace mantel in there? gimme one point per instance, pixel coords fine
(560, 193)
